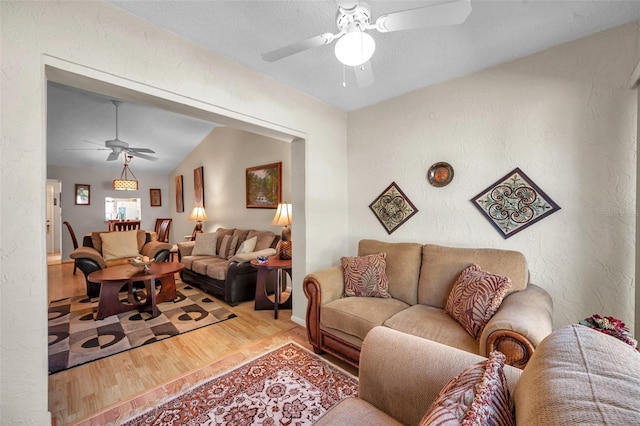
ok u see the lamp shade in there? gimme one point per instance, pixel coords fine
(125, 185)
(283, 215)
(355, 48)
(198, 214)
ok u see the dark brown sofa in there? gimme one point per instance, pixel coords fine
(231, 278)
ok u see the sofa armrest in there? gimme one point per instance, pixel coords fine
(153, 248)
(321, 287)
(88, 253)
(402, 374)
(247, 257)
(185, 248)
(329, 283)
(519, 325)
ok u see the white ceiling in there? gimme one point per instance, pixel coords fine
(494, 32)
(79, 122)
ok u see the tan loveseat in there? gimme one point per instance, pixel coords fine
(222, 271)
(420, 280)
(120, 247)
(577, 376)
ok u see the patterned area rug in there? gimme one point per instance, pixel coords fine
(287, 386)
(76, 338)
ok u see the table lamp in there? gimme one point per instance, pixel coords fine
(283, 217)
(199, 215)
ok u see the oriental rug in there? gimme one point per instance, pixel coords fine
(287, 386)
(76, 338)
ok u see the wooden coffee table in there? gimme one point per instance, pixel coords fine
(113, 279)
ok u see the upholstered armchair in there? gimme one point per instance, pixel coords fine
(107, 249)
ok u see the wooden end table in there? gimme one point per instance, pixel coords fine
(262, 299)
(114, 278)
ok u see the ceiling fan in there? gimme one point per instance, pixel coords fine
(355, 47)
(118, 146)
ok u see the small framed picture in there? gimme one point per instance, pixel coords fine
(83, 194)
(155, 196)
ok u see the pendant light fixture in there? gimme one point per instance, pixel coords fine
(124, 183)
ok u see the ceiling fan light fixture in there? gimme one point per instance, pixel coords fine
(355, 48)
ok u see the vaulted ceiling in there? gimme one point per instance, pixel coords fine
(493, 33)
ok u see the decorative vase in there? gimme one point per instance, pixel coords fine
(284, 250)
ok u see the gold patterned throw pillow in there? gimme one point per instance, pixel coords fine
(477, 396)
(475, 297)
(366, 276)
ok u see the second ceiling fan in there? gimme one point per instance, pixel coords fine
(118, 146)
(355, 47)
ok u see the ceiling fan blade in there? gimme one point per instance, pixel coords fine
(364, 75)
(298, 47)
(150, 151)
(113, 156)
(450, 13)
(146, 157)
(94, 143)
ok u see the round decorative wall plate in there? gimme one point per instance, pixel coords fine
(440, 174)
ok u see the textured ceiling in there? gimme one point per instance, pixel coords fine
(494, 32)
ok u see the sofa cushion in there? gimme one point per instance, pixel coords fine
(357, 315)
(205, 244)
(433, 324)
(118, 245)
(441, 266)
(580, 376)
(247, 246)
(365, 276)
(217, 269)
(241, 234)
(403, 266)
(475, 297)
(210, 266)
(265, 239)
(228, 247)
(356, 411)
(221, 232)
(476, 396)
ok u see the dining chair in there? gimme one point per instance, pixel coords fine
(162, 229)
(74, 240)
(126, 225)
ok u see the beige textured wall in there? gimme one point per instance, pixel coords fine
(567, 118)
(225, 154)
(100, 41)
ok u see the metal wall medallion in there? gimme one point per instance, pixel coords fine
(440, 174)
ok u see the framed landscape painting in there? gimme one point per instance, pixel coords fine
(264, 186)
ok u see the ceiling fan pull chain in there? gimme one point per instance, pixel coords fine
(344, 80)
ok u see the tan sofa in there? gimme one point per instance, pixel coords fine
(228, 275)
(420, 279)
(577, 376)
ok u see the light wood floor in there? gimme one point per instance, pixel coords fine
(112, 389)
